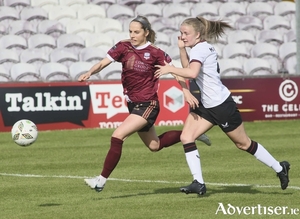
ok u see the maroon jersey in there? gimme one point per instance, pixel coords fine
(138, 69)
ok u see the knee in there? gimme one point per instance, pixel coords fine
(153, 148)
(184, 138)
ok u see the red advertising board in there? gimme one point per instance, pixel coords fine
(71, 105)
(266, 98)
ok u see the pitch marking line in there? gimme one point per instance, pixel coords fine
(143, 181)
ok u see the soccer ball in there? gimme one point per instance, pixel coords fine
(24, 132)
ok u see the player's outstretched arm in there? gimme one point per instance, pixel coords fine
(95, 69)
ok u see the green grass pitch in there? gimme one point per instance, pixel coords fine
(45, 180)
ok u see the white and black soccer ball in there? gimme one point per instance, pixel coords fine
(24, 132)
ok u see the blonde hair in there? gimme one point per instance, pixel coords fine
(209, 30)
(146, 26)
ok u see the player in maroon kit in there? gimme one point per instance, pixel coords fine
(138, 56)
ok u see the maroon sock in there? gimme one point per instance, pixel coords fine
(169, 138)
(253, 147)
(113, 156)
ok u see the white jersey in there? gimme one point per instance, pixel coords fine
(213, 92)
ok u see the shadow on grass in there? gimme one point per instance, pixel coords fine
(210, 192)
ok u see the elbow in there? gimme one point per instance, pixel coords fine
(193, 76)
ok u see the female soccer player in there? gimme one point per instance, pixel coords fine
(138, 57)
(218, 107)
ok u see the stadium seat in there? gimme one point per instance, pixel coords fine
(236, 51)
(106, 25)
(288, 55)
(103, 3)
(72, 42)
(78, 68)
(44, 4)
(113, 68)
(100, 40)
(187, 3)
(269, 52)
(215, 2)
(34, 14)
(206, 10)
(293, 23)
(259, 9)
(8, 14)
(286, 9)
(22, 28)
(14, 42)
(53, 71)
(74, 4)
(91, 13)
(4, 74)
(230, 67)
(173, 52)
(232, 10)
(160, 3)
(8, 57)
(130, 3)
(3, 30)
(257, 66)
(34, 56)
(51, 27)
(126, 22)
(219, 51)
(24, 72)
(174, 38)
(63, 56)
(114, 76)
(151, 11)
(162, 40)
(164, 25)
(270, 36)
(17, 4)
(62, 14)
(249, 23)
(120, 36)
(277, 23)
(176, 13)
(290, 36)
(119, 12)
(92, 54)
(222, 41)
(79, 27)
(44, 42)
(242, 36)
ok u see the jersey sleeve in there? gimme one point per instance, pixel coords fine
(117, 51)
(199, 53)
(163, 56)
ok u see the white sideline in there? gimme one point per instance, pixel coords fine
(143, 181)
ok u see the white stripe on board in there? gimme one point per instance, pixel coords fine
(143, 181)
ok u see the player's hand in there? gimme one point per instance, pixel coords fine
(84, 77)
(180, 43)
(190, 99)
(162, 70)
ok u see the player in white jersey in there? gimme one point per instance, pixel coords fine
(218, 107)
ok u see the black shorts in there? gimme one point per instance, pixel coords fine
(147, 110)
(226, 115)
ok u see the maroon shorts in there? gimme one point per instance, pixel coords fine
(147, 110)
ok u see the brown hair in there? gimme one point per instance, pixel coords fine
(209, 30)
(146, 26)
